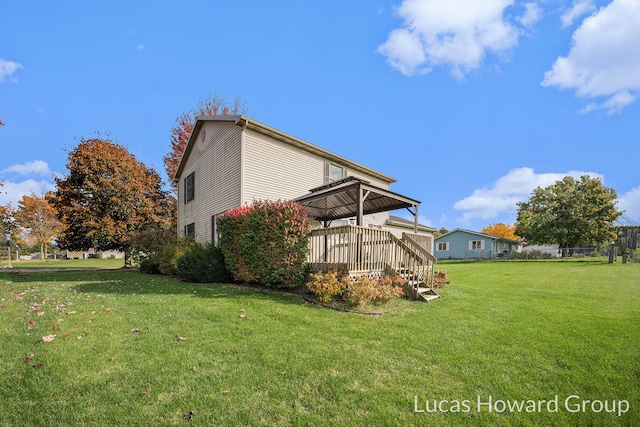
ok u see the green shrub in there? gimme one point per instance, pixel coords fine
(150, 264)
(266, 243)
(203, 264)
(149, 247)
(171, 252)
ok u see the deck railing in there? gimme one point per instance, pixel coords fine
(358, 250)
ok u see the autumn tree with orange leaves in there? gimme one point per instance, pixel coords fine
(108, 198)
(38, 221)
(213, 105)
(5, 217)
(501, 230)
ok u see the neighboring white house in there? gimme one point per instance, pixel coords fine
(231, 161)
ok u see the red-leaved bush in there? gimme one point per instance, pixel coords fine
(266, 242)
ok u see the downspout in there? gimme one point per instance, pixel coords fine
(242, 157)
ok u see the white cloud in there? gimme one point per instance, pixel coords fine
(35, 167)
(7, 68)
(579, 8)
(604, 61)
(140, 46)
(12, 192)
(629, 202)
(504, 194)
(453, 33)
(531, 16)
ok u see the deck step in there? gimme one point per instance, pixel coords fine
(427, 294)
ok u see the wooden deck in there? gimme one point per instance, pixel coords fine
(356, 250)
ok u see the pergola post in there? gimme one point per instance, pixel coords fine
(359, 206)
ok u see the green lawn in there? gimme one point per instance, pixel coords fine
(134, 349)
(62, 263)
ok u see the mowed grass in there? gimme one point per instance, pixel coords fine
(135, 349)
(70, 264)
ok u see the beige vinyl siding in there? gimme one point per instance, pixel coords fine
(215, 158)
(372, 180)
(275, 170)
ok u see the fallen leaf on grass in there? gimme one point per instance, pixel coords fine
(48, 338)
(179, 338)
(242, 316)
(30, 322)
(29, 359)
(70, 312)
(223, 392)
(135, 330)
(37, 366)
(65, 335)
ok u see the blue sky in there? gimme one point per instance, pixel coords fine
(469, 104)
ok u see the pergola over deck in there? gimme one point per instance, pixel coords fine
(354, 197)
(357, 250)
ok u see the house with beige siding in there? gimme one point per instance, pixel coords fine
(232, 161)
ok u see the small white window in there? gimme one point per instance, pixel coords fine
(476, 244)
(333, 173)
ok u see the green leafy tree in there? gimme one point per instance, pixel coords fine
(108, 198)
(569, 213)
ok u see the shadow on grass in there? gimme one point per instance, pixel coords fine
(133, 282)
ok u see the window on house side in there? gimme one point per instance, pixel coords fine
(333, 173)
(443, 246)
(476, 244)
(190, 230)
(190, 187)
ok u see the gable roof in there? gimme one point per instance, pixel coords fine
(261, 128)
(402, 222)
(489, 236)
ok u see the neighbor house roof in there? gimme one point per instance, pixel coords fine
(407, 223)
(256, 126)
(490, 236)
